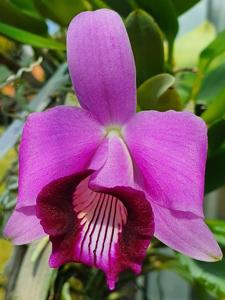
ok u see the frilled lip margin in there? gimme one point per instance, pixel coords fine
(110, 230)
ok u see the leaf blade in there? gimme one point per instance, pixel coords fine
(147, 44)
(32, 39)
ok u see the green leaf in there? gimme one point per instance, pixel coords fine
(209, 275)
(12, 15)
(97, 4)
(153, 88)
(158, 93)
(32, 39)
(216, 109)
(216, 135)
(169, 100)
(215, 175)
(61, 11)
(188, 47)
(5, 253)
(27, 6)
(66, 293)
(65, 10)
(122, 7)
(212, 84)
(218, 229)
(184, 85)
(147, 45)
(164, 12)
(184, 5)
(4, 73)
(37, 275)
(215, 48)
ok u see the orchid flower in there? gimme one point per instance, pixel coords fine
(100, 180)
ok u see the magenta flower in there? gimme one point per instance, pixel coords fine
(101, 180)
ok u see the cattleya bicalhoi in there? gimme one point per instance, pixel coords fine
(101, 180)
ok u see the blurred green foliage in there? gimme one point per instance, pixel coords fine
(186, 73)
(147, 42)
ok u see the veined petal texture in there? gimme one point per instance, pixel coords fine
(55, 143)
(101, 65)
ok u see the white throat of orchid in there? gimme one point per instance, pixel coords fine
(113, 131)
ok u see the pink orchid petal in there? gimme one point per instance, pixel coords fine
(55, 143)
(169, 149)
(110, 231)
(100, 156)
(186, 233)
(118, 167)
(101, 65)
(23, 226)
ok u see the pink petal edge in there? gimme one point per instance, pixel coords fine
(56, 143)
(169, 151)
(23, 226)
(101, 65)
(186, 233)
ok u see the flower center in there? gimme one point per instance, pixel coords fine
(114, 131)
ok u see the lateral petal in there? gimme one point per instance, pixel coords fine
(186, 233)
(169, 150)
(55, 143)
(101, 65)
(23, 226)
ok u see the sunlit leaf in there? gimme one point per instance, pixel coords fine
(209, 275)
(5, 253)
(212, 84)
(169, 100)
(26, 37)
(188, 47)
(7, 46)
(218, 229)
(213, 50)
(36, 275)
(184, 85)
(158, 93)
(66, 294)
(6, 250)
(147, 44)
(153, 88)
(216, 109)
